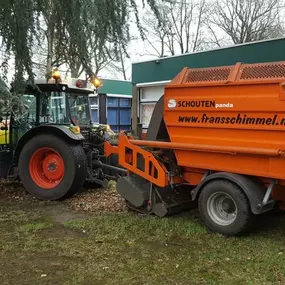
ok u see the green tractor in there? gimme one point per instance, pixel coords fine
(53, 147)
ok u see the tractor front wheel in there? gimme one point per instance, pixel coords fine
(52, 168)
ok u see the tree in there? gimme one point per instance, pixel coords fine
(18, 24)
(181, 29)
(70, 26)
(156, 38)
(246, 20)
(74, 22)
(120, 65)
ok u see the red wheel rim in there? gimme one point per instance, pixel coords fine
(46, 168)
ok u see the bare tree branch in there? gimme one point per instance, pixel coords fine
(182, 24)
(246, 20)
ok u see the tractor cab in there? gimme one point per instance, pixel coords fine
(56, 101)
(60, 103)
(66, 102)
(49, 103)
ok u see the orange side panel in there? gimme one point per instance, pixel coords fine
(192, 177)
(241, 106)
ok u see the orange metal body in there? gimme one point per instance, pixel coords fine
(241, 106)
(228, 119)
(153, 171)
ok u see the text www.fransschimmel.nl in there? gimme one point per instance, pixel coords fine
(234, 120)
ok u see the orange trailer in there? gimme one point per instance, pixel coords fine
(216, 137)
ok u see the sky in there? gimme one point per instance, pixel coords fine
(137, 49)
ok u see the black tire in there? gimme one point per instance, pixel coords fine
(75, 167)
(214, 217)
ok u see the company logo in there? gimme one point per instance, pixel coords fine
(228, 105)
(171, 103)
(197, 104)
(204, 104)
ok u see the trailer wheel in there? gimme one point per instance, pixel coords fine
(52, 168)
(224, 208)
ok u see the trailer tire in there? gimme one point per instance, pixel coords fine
(52, 168)
(224, 208)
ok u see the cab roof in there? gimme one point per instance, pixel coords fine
(78, 85)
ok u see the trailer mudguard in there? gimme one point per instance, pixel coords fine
(253, 188)
(59, 130)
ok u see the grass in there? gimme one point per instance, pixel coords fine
(36, 248)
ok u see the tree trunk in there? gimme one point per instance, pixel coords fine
(49, 51)
(75, 69)
(49, 36)
(123, 64)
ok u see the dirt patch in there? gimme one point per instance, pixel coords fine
(35, 268)
(60, 213)
(61, 232)
(61, 216)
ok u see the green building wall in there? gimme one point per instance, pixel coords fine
(162, 69)
(119, 87)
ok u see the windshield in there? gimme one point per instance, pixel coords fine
(79, 109)
(63, 108)
(30, 103)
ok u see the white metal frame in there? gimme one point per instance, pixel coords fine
(142, 102)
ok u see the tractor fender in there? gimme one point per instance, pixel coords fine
(61, 131)
(252, 187)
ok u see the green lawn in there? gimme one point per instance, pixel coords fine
(46, 243)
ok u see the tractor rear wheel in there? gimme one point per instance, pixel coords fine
(224, 208)
(52, 168)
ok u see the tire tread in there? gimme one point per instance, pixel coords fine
(71, 149)
(238, 228)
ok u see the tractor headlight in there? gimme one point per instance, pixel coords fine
(96, 82)
(75, 129)
(56, 74)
